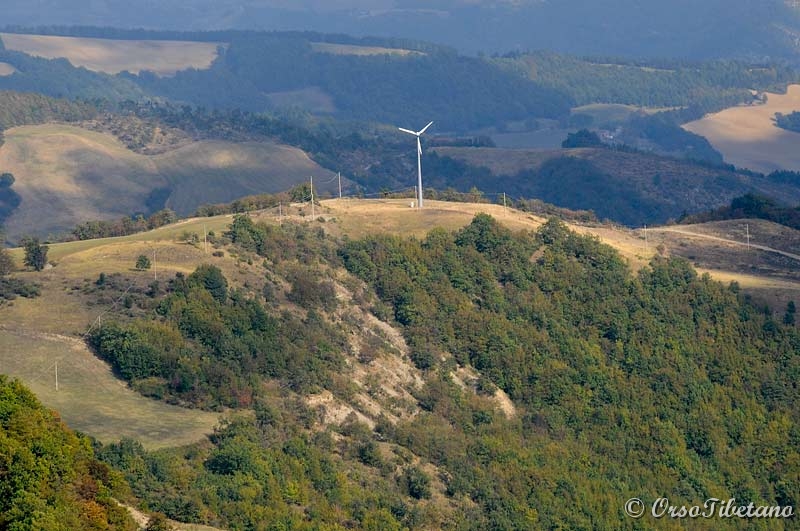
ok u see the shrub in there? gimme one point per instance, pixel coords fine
(142, 263)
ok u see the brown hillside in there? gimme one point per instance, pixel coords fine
(66, 175)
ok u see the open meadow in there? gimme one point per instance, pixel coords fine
(6, 69)
(113, 56)
(353, 49)
(747, 135)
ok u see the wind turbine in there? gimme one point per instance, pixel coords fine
(419, 159)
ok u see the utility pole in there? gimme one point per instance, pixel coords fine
(340, 184)
(645, 238)
(205, 239)
(505, 209)
(313, 215)
(747, 231)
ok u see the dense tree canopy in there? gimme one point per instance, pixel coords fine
(51, 480)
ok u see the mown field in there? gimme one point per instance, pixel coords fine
(113, 56)
(748, 137)
(604, 113)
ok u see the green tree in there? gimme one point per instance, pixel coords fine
(158, 522)
(582, 138)
(6, 262)
(300, 193)
(211, 278)
(789, 316)
(35, 253)
(142, 263)
(417, 483)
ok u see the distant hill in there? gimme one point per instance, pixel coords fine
(74, 175)
(751, 206)
(754, 29)
(385, 80)
(375, 80)
(629, 187)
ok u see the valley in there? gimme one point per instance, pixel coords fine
(633, 188)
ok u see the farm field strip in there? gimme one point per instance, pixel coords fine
(113, 56)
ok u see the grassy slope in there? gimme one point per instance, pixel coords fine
(352, 49)
(74, 175)
(603, 113)
(66, 174)
(113, 56)
(49, 330)
(87, 387)
(747, 136)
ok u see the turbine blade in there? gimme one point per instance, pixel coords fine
(408, 131)
(419, 146)
(425, 128)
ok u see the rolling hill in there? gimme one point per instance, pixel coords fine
(611, 28)
(748, 137)
(74, 175)
(330, 429)
(29, 324)
(630, 187)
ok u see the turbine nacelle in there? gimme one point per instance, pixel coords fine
(416, 133)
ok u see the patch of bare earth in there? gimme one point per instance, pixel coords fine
(379, 371)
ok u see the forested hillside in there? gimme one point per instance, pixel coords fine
(624, 185)
(23, 108)
(703, 86)
(751, 206)
(51, 479)
(460, 92)
(649, 384)
(399, 80)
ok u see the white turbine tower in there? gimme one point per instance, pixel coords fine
(419, 159)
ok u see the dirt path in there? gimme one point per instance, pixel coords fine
(725, 240)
